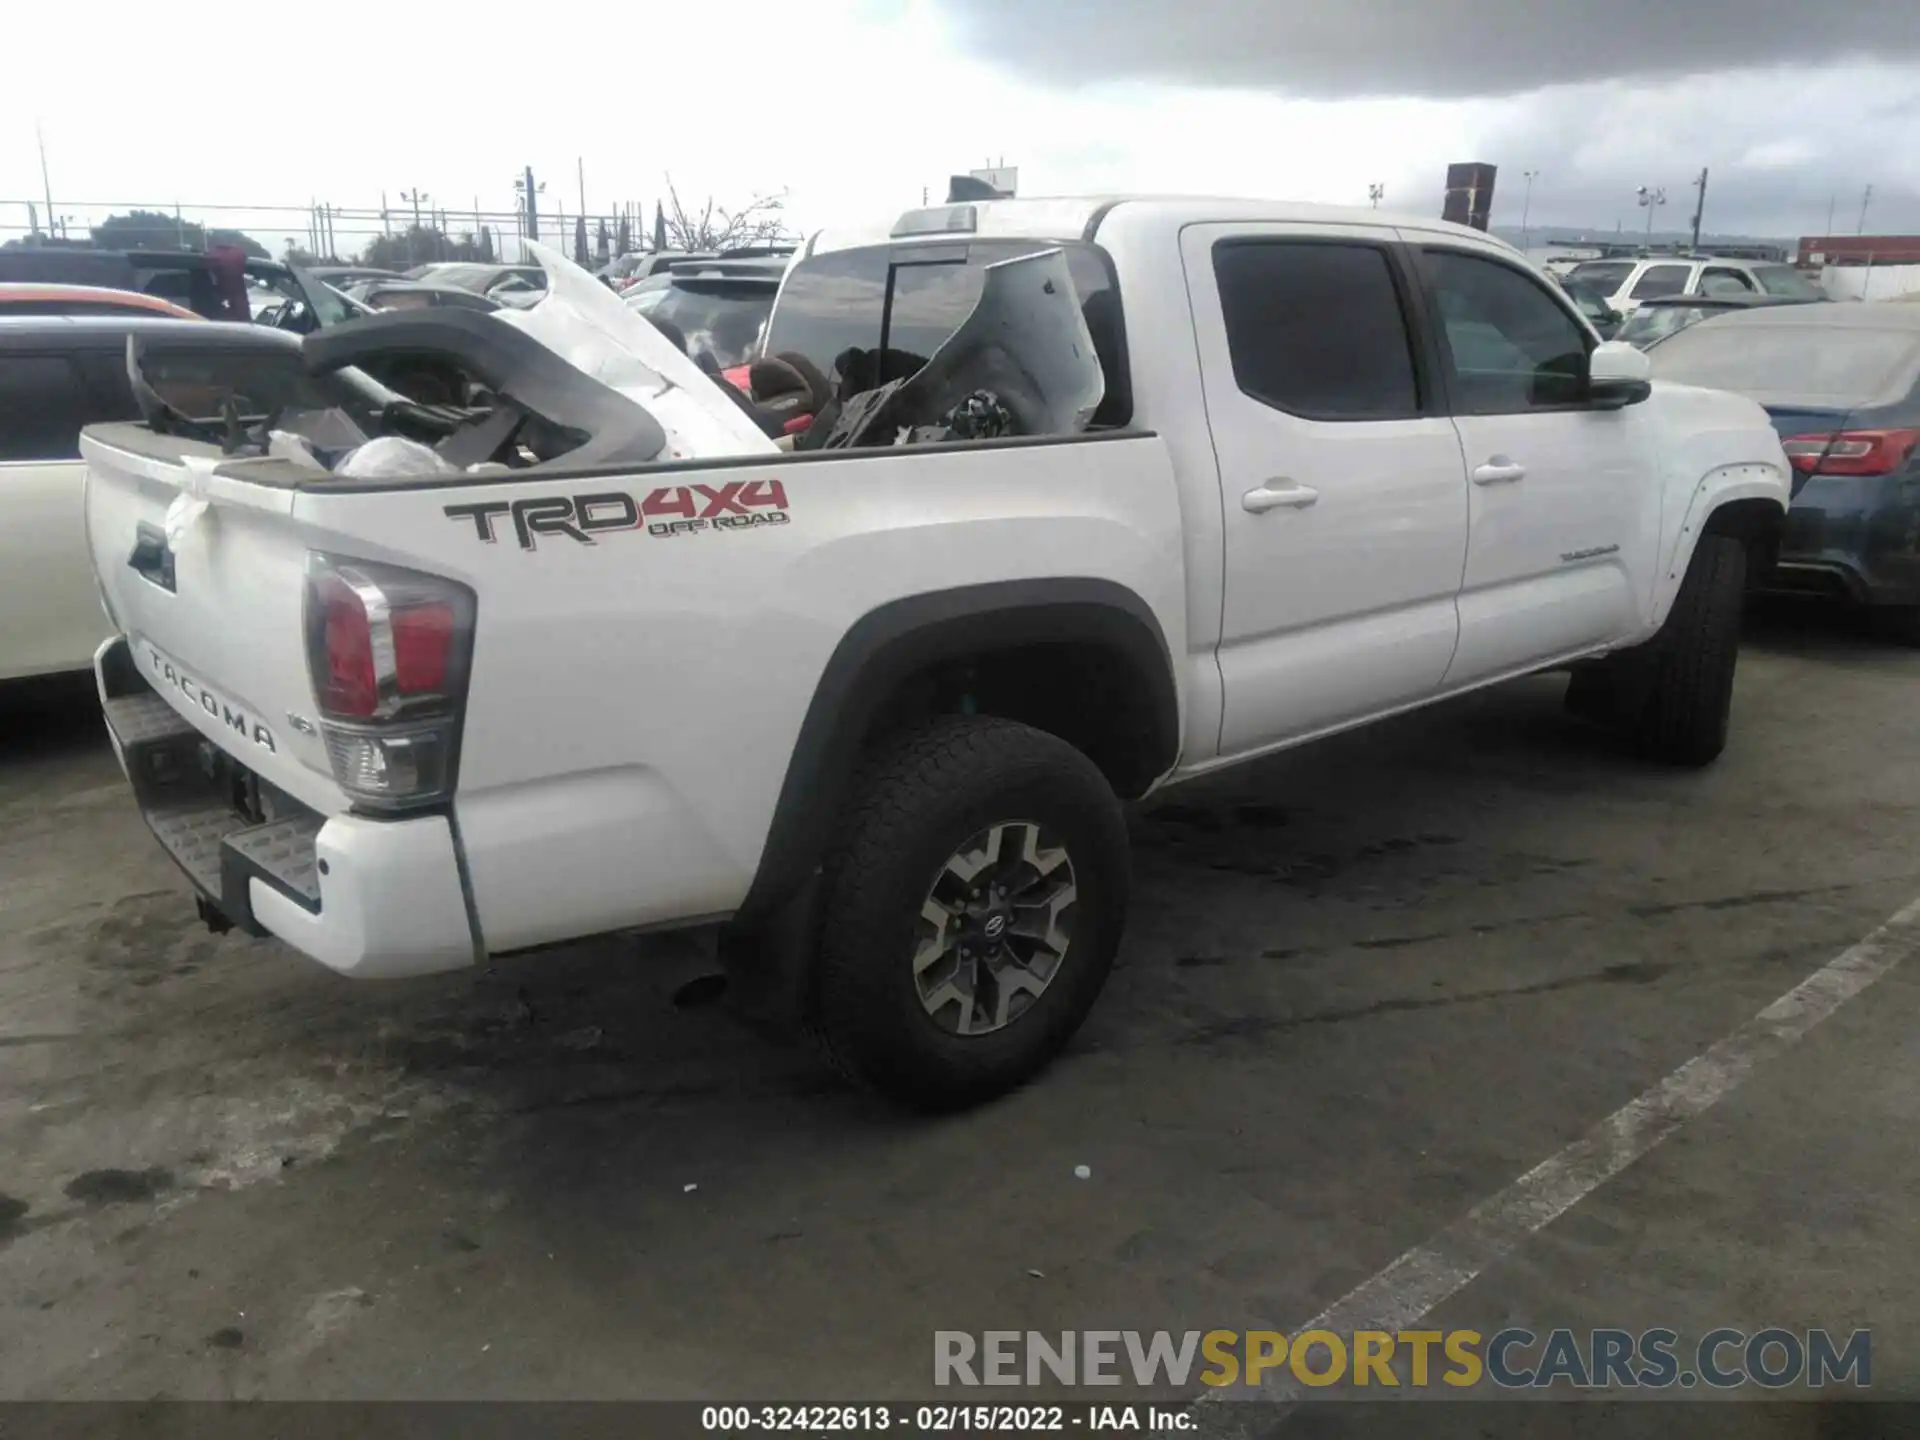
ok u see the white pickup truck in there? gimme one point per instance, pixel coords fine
(878, 707)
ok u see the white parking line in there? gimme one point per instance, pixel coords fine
(1399, 1296)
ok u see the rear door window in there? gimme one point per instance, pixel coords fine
(45, 401)
(1662, 280)
(831, 306)
(1787, 282)
(1317, 329)
(1722, 280)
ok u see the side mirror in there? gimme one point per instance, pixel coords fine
(1618, 375)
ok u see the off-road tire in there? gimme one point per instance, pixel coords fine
(1689, 680)
(917, 799)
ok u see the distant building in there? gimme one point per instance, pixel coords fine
(1864, 267)
(1860, 249)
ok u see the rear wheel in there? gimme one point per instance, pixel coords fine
(972, 905)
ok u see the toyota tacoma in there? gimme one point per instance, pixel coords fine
(1109, 494)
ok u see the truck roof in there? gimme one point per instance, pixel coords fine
(1079, 218)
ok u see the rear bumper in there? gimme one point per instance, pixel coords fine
(373, 899)
(1853, 537)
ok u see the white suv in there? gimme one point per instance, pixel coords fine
(1625, 283)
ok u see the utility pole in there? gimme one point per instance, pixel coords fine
(533, 208)
(1865, 201)
(1526, 207)
(46, 185)
(1700, 206)
(1376, 193)
(580, 166)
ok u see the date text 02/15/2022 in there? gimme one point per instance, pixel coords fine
(944, 1419)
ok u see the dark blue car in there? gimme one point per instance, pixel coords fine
(1842, 383)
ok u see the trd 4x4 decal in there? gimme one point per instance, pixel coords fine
(672, 510)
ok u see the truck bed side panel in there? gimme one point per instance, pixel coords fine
(648, 644)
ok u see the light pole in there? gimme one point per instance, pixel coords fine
(1376, 193)
(46, 185)
(526, 190)
(1865, 200)
(415, 197)
(1526, 206)
(1651, 200)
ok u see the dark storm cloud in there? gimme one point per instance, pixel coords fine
(1440, 48)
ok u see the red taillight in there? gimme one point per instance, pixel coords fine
(346, 686)
(422, 648)
(740, 377)
(1851, 452)
(422, 641)
(388, 650)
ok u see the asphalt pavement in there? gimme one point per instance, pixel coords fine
(1365, 987)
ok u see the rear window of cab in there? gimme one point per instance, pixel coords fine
(831, 305)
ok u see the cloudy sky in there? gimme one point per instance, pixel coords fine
(853, 106)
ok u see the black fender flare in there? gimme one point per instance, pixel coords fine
(889, 644)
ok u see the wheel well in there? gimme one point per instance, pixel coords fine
(1754, 523)
(1086, 692)
(1082, 659)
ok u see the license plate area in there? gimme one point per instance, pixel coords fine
(219, 821)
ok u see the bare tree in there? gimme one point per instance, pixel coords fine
(710, 226)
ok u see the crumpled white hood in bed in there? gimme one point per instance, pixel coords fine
(585, 324)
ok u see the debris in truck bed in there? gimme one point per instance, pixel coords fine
(980, 416)
(1025, 348)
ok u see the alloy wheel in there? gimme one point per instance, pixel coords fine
(995, 928)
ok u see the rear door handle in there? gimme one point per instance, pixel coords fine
(1278, 495)
(1499, 471)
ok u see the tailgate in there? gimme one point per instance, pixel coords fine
(214, 618)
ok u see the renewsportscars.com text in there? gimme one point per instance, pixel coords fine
(1511, 1359)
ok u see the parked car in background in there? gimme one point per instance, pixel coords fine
(1655, 320)
(629, 270)
(397, 294)
(17, 298)
(1625, 283)
(213, 285)
(623, 270)
(343, 277)
(1842, 383)
(720, 308)
(59, 373)
(508, 284)
(229, 286)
